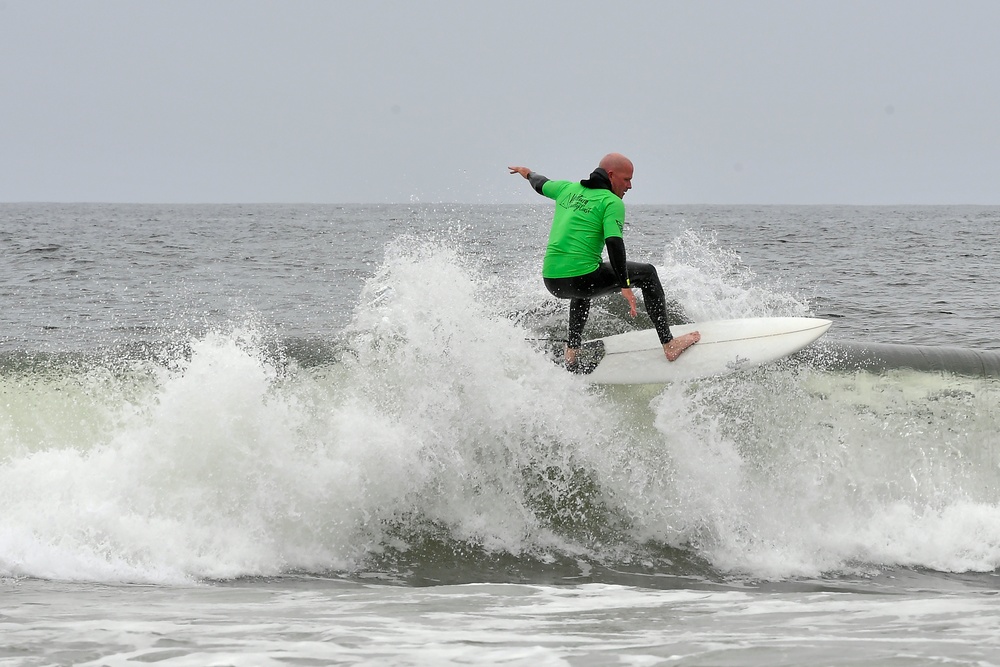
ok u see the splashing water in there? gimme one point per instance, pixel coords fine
(438, 429)
(713, 284)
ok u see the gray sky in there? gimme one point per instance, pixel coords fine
(767, 101)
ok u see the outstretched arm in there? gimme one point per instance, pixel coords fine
(536, 180)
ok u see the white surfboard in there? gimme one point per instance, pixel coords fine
(726, 346)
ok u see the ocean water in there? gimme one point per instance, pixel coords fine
(318, 434)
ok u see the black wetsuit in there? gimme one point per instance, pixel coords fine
(581, 289)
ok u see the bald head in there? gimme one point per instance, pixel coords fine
(619, 170)
(615, 161)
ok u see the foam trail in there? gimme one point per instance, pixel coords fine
(877, 357)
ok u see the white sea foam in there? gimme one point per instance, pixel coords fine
(334, 623)
(442, 418)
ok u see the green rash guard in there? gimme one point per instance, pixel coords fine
(583, 219)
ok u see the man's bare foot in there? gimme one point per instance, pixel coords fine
(674, 348)
(570, 357)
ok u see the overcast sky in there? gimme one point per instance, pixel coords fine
(808, 101)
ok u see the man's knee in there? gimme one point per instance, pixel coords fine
(644, 274)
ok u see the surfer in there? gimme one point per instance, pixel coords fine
(590, 216)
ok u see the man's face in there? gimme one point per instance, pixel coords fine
(621, 180)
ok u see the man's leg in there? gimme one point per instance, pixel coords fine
(644, 277)
(579, 311)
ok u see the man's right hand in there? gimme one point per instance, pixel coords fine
(630, 297)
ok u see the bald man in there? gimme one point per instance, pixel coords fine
(590, 217)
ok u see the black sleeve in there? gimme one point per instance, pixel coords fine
(537, 181)
(616, 255)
